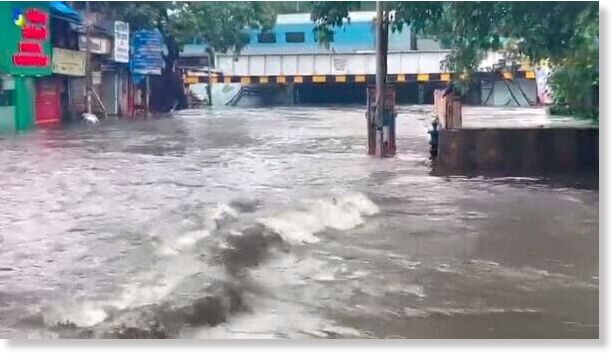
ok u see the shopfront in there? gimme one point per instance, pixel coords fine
(69, 67)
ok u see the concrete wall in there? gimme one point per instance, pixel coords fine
(522, 151)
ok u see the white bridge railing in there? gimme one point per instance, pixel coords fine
(399, 62)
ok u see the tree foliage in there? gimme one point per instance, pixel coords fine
(565, 33)
(221, 24)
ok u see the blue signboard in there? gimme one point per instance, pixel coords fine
(147, 55)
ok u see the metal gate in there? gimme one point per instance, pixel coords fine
(48, 101)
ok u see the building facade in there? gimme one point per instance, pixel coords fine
(25, 60)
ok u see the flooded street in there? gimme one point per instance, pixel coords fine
(273, 222)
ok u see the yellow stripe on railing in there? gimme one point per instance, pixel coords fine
(318, 79)
(359, 78)
(423, 77)
(191, 80)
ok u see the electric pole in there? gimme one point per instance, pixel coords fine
(88, 67)
(381, 39)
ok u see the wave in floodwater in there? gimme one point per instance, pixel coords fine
(202, 278)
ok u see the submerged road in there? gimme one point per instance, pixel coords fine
(257, 223)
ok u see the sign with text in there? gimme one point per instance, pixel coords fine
(68, 62)
(25, 47)
(98, 45)
(96, 78)
(147, 57)
(340, 65)
(121, 46)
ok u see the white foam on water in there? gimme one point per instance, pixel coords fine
(476, 311)
(220, 212)
(155, 286)
(445, 268)
(414, 179)
(341, 213)
(214, 217)
(525, 277)
(287, 270)
(83, 314)
(425, 312)
(176, 263)
(413, 312)
(274, 318)
(182, 243)
(295, 227)
(403, 262)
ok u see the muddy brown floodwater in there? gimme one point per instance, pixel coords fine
(236, 223)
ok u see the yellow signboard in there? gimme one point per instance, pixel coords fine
(68, 62)
(359, 78)
(298, 79)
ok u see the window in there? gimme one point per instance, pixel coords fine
(266, 37)
(295, 37)
(6, 97)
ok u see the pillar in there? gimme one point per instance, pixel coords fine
(24, 103)
(421, 94)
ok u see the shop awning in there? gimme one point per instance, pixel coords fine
(64, 12)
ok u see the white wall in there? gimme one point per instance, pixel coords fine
(405, 62)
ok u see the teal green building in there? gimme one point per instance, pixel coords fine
(25, 54)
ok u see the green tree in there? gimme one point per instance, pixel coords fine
(565, 33)
(222, 24)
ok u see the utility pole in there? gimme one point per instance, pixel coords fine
(147, 93)
(381, 37)
(209, 75)
(88, 68)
